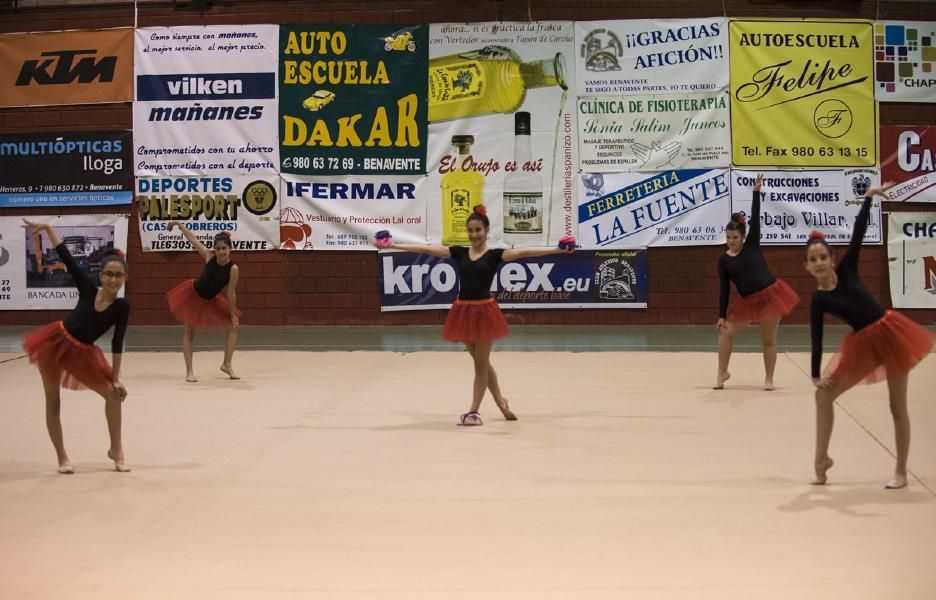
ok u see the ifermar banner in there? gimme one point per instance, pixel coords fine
(502, 131)
(652, 56)
(669, 208)
(905, 61)
(88, 168)
(911, 254)
(583, 279)
(353, 99)
(794, 203)
(802, 94)
(653, 133)
(206, 100)
(908, 155)
(32, 277)
(245, 206)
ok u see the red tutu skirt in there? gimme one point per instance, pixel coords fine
(58, 354)
(775, 300)
(188, 307)
(472, 321)
(889, 347)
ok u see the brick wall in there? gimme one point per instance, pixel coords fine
(341, 287)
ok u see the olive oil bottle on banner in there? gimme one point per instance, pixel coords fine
(461, 192)
(523, 192)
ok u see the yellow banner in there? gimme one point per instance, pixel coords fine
(802, 94)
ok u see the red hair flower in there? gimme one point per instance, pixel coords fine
(480, 209)
(816, 235)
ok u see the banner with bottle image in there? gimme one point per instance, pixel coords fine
(33, 277)
(353, 99)
(911, 256)
(802, 94)
(344, 213)
(793, 203)
(670, 208)
(583, 279)
(501, 131)
(652, 56)
(245, 206)
(905, 61)
(652, 133)
(908, 156)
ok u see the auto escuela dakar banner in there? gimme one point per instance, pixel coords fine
(908, 154)
(583, 279)
(911, 257)
(88, 168)
(32, 277)
(905, 61)
(206, 100)
(794, 203)
(243, 205)
(353, 99)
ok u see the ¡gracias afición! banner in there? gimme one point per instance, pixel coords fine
(911, 254)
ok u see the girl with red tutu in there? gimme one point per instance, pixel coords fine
(200, 304)
(882, 344)
(475, 319)
(65, 353)
(762, 298)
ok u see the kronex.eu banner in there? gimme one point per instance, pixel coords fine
(796, 202)
(501, 131)
(353, 99)
(32, 277)
(911, 256)
(245, 206)
(65, 169)
(670, 208)
(583, 279)
(652, 133)
(344, 213)
(908, 154)
(652, 56)
(206, 100)
(905, 61)
(802, 94)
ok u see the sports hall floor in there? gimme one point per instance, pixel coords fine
(334, 470)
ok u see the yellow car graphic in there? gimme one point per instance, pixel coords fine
(402, 41)
(318, 100)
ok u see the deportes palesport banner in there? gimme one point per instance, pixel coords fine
(670, 208)
(911, 256)
(677, 56)
(802, 94)
(905, 61)
(206, 100)
(31, 275)
(584, 279)
(796, 202)
(908, 154)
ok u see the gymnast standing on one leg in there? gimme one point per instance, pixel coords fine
(882, 344)
(210, 302)
(762, 297)
(65, 352)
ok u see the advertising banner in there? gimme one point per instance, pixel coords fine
(911, 256)
(905, 61)
(907, 157)
(802, 94)
(670, 208)
(32, 277)
(796, 202)
(206, 100)
(243, 205)
(353, 99)
(66, 67)
(65, 169)
(652, 133)
(584, 279)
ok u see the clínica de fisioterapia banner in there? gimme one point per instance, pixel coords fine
(802, 93)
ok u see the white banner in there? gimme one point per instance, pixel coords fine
(796, 202)
(31, 275)
(671, 208)
(653, 133)
(911, 256)
(675, 56)
(243, 205)
(905, 61)
(206, 100)
(344, 213)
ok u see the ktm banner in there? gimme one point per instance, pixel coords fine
(75, 67)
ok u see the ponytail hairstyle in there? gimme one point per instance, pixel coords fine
(479, 213)
(737, 223)
(817, 237)
(114, 255)
(223, 237)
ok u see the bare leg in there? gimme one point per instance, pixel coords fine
(768, 330)
(481, 354)
(502, 403)
(229, 343)
(187, 340)
(53, 401)
(897, 387)
(725, 344)
(825, 419)
(112, 410)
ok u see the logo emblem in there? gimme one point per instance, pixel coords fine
(66, 70)
(832, 118)
(259, 197)
(601, 51)
(594, 184)
(860, 185)
(4, 256)
(615, 279)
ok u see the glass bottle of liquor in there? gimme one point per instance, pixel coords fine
(461, 191)
(490, 80)
(523, 191)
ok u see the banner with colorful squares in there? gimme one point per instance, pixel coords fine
(905, 61)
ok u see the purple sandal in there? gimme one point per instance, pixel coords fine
(463, 421)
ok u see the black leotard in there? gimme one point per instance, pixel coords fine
(475, 276)
(213, 278)
(748, 270)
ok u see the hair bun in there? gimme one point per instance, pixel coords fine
(480, 209)
(740, 218)
(226, 234)
(116, 251)
(815, 234)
